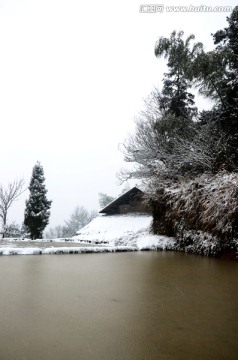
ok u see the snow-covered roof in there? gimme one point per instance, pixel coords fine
(113, 205)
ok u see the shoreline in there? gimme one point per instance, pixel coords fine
(225, 254)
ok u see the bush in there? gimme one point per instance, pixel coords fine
(202, 213)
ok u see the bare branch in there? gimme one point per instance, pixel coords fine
(8, 195)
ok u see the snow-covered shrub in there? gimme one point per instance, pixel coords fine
(198, 242)
(201, 213)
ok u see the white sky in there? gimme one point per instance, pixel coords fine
(72, 78)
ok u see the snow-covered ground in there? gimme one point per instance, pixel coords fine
(123, 230)
(114, 228)
(129, 232)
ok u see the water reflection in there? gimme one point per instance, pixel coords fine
(138, 306)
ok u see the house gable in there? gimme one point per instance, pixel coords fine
(130, 201)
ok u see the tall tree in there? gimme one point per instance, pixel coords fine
(216, 75)
(227, 47)
(7, 196)
(37, 211)
(167, 142)
(216, 72)
(176, 99)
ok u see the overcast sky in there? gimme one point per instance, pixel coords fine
(73, 75)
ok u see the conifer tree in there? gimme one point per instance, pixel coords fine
(175, 97)
(37, 211)
(216, 76)
(227, 48)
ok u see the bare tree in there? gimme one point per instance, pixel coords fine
(57, 232)
(104, 199)
(7, 196)
(78, 219)
(167, 147)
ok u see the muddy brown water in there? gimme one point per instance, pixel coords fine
(123, 306)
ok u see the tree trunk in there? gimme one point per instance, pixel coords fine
(4, 223)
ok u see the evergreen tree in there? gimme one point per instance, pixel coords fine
(37, 206)
(227, 47)
(215, 73)
(176, 99)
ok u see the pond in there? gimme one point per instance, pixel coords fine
(135, 306)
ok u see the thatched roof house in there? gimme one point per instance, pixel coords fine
(129, 202)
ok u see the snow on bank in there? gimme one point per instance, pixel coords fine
(64, 250)
(155, 242)
(121, 233)
(146, 243)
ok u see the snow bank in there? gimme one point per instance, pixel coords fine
(20, 251)
(64, 250)
(144, 244)
(115, 229)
